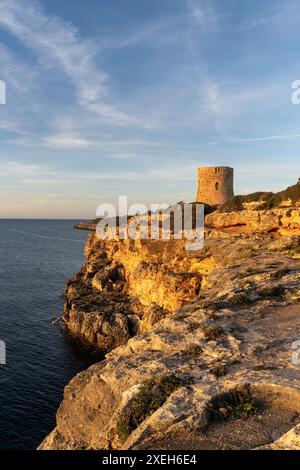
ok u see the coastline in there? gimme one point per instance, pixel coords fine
(194, 321)
(85, 226)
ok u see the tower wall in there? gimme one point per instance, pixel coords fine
(215, 185)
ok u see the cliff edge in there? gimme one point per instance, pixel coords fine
(201, 347)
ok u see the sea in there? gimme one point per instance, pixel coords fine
(38, 358)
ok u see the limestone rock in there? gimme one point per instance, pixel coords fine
(284, 221)
(211, 321)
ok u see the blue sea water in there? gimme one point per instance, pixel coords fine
(36, 258)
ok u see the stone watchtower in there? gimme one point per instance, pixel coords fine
(215, 185)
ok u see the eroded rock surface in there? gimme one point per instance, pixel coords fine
(284, 221)
(126, 287)
(203, 323)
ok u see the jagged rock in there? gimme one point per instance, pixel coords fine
(283, 221)
(151, 282)
(103, 328)
(125, 286)
(109, 274)
(209, 321)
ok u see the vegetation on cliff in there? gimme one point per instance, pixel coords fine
(265, 200)
(291, 193)
(234, 205)
(225, 316)
(232, 321)
(258, 196)
(235, 404)
(150, 398)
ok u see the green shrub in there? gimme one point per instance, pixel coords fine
(233, 205)
(259, 196)
(236, 404)
(292, 192)
(151, 396)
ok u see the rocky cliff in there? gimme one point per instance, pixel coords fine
(126, 287)
(201, 346)
(281, 221)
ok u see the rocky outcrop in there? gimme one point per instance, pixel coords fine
(126, 287)
(284, 221)
(89, 225)
(202, 345)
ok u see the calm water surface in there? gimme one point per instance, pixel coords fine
(36, 258)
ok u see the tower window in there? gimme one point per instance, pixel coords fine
(217, 186)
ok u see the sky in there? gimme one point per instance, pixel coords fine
(129, 97)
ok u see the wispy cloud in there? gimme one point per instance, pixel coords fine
(64, 141)
(9, 168)
(17, 73)
(204, 14)
(155, 33)
(265, 138)
(11, 127)
(138, 101)
(227, 104)
(58, 44)
(29, 173)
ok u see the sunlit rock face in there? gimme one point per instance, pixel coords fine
(185, 333)
(283, 221)
(127, 286)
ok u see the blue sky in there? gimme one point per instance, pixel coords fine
(114, 97)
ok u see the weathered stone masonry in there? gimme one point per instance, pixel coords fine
(215, 185)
